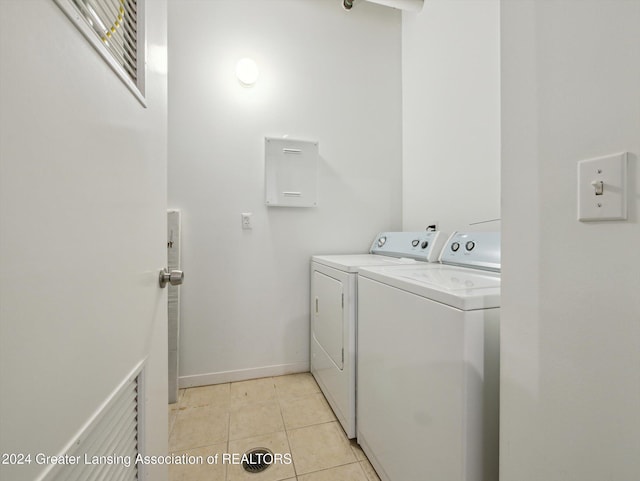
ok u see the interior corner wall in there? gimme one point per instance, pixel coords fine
(451, 115)
(570, 317)
(325, 74)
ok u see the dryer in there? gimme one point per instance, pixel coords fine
(428, 364)
(334, 280)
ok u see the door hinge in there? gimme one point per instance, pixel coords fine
(316, 305)
(343, 301)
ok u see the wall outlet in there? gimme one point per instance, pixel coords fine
(246, 220)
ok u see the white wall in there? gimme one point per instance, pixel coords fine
(82, 234)
(451, 115)
(570, 306)
(326, 75)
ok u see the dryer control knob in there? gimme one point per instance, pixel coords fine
(382, 241)
(470, 245)
(415, 242)
(425, 244)
(455, 246)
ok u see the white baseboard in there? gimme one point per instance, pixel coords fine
(241, 374)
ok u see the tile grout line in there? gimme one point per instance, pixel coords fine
(229, 409)
(286, 431)
(338, 466)
(177, 413)
(312, 425)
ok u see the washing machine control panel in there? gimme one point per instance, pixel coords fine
(421, 246)
(473, 249)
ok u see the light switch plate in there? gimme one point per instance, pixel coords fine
(610, 175)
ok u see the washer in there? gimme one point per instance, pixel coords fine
(428, 364)
(334, 281)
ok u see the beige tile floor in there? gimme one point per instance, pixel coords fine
(286, 414)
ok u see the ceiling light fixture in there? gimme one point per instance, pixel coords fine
(247, 72)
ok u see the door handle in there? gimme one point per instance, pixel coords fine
(174, 278)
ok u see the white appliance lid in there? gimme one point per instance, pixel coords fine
(353, 262)
(462, 288)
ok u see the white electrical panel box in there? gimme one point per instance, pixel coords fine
(291, 172)
(602, 188)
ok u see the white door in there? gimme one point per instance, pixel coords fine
(82, 235)
(328, 316)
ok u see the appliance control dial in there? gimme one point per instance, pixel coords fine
(415, 242)
(425, 244)
(455, 246)
(470, 245)
(382, 241)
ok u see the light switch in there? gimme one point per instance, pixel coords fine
(602, 188)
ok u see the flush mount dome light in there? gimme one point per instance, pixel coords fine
(247, 72)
